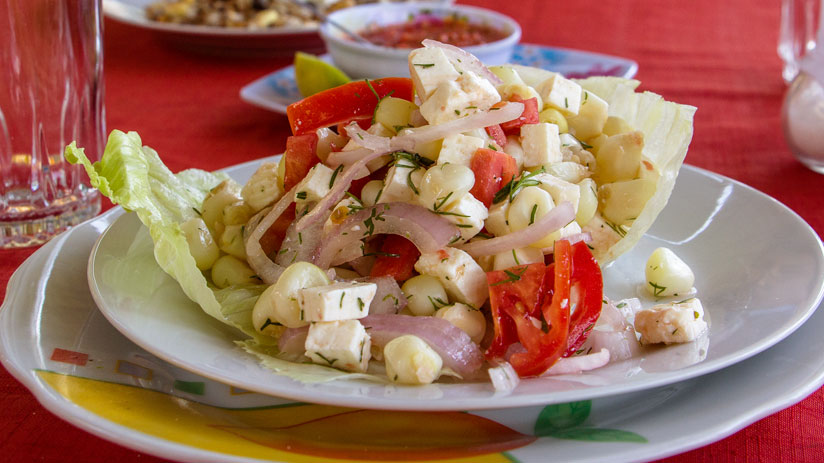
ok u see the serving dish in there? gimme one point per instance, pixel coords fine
(359, 60)
(755, 296)
(55, 341)
(277, 90)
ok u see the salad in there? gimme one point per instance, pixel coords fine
(448, 225)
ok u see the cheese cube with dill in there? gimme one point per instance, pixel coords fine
(468, 214)
(339, 344)
(541, 144)
(402, 182)
(459, 98)
(338, 301)
(673, 322)
(459, 149)
(462, 278)
(428, 67)
(561, 93)
(315, 185)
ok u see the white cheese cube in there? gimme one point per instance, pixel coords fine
(560, 190)
(428, 67)
(561, 94)
(314, 186)
(496, 221)
(517, 256)
(541, 144)
(468, 214)
(458, 98)
(671, 323)
(398, 178)
(591, 117)
(462, 278)
(338, 301)
(459, 149)
(340, 344)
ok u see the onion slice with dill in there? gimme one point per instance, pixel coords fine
(427, 230)
(263, 266)
(456, 349)
(554, 220)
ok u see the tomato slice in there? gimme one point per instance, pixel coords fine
(354, 100)
(492, 169)
(544, 348)
(519, 288)
(587, 294)
(396, 259)
(497, 134)
(300, 156)
(529, 116)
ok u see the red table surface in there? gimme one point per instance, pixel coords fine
(717, 55)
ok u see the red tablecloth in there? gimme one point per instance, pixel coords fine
(717, 55)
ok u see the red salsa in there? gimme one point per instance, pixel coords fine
(453, 30)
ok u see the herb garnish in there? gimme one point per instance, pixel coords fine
(514, 186)
(513, 276)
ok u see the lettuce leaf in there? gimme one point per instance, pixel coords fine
(134, 177)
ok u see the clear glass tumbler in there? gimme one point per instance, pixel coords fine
(51, 93)
(798, 32)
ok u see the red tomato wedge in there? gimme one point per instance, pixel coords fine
(497, 134)
(587, 294)
(300, 156)
(544, 348)
(520, 288)
(529, 116)
(396, 259)
(492, 169)
(354, 100)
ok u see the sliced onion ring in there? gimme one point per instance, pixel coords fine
(365, 139)
(577, 364)
(425, 229)
(263, 266)
(556, 219)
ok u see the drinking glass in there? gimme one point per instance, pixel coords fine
(797, 35)
(51, 93)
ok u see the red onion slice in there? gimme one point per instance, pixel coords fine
(467, 60)
(556, 219)
(300, 246)
(456, 349)
(365, 139)
(479, 120)
(342, 183)
(389, 299)
(427, 231)
(504, 378)
(267, 270)
(577, 364)
(293, 341)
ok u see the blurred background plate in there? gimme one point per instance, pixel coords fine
(277, 90)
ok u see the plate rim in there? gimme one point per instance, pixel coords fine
(476, 403)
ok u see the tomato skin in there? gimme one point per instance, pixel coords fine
(524, 295)
(402, 266)
(529, 116)
(587, 296)
(300, 156)
(492, 169)
(497, 134)
(344, 103)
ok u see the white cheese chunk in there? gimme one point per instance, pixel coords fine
(458, 98)
(541, 144)
(462, 278)
(397, 183)
(314, 186)
(340, 344)
(338, 301)
(428, 67)
(561, 94)
(468, 214)
(671, 323)
(459, 149)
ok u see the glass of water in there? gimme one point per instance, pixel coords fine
(51, 93)
(798, 32)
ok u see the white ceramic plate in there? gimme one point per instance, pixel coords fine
(55, 341)
(277, 90)
(758, 279)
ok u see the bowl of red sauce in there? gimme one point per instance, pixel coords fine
(393, 29)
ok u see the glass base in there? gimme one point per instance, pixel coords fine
(32, 232)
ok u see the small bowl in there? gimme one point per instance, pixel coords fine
(359, 60)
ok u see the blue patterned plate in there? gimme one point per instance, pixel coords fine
(278, 90)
